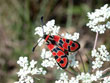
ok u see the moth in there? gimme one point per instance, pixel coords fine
(60, 47)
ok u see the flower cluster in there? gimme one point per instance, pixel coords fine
(100, 56)
(48, 60)
(74, 37)
(84, 77)
(28, 70)
(63, 78)
(72, 61)
(49, 28)
(89, 78)
(99, 20)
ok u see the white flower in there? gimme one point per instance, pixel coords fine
(59, 81)
(106, 80)
(63, 78)
(27, 70)
(75, 36)
(50, 23)
(98, 19)
(72, 37)
(73, 80)
(55, 30)
(89, 78)
(98, 74)
(39, 31)
(86, 78)
(43, 53)
(33, 63)
(29, 79)
(108, 24)
(40, 41)
(48, 59)
(48, 54)
(22, 61)
(100, 56)
(48, 63)
(72, 61)
(97, 64)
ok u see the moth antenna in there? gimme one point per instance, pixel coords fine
(42, 23)
(33, 49)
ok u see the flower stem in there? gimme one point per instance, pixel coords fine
(78, 70)
(82, 62)
(106, 70)
(69, 72)
(95, 42)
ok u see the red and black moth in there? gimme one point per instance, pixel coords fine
(60, 47)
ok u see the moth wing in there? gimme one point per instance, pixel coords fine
(60, 56)
(69, 45)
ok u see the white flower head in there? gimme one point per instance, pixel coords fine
(63, 78)
(27, 70)
(86, 78)
(22, 61)
(83, 77)
(98, 74)
(48, 59)
(99, 19)
(72, 61)
(73, 37)
(108, 24)
(100, 56)
(73, 80)
(40, 41)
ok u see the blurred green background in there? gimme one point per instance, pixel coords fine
(18, 19)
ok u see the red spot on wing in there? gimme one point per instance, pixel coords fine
(50, 46)
(62, 48)
(66, 52)
(54, 53)
(65, 62)
(58, 60)
(61, 58)
(70, 43)
(64, 40)
(56, 38)
(47, 38)
(73, 48)
(76, 47)
(65, 45)
(60, 53)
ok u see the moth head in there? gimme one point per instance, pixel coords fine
(44, 37)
